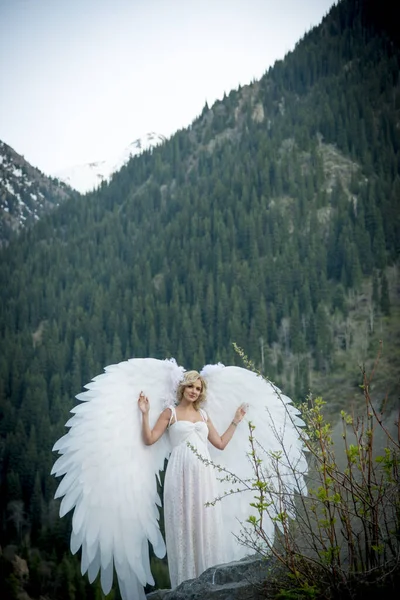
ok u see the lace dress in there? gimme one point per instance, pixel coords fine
(192, 530)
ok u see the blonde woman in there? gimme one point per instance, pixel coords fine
(192, 529)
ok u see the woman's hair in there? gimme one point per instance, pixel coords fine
(188, 378)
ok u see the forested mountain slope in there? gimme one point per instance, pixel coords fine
(264, 223)
(25, 193)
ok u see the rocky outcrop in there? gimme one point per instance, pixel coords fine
(241, 580)
(26, 194)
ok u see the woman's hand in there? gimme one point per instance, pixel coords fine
(143, 403)
(239, 414)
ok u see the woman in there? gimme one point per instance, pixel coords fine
(191, 527)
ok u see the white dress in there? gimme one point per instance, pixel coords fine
(192, 530)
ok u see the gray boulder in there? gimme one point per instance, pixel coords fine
(241, 580)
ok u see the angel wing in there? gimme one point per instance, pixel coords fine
(277, 444)
(108, 471)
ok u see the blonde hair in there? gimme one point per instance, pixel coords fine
(188, 378)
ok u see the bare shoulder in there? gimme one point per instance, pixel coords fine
(204, 415)
(166, 414)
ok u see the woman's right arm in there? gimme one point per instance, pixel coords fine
(150, 436)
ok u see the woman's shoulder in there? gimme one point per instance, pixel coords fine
(204, 414)
(166, 413)
(169, 413)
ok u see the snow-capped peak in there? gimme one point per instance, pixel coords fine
(89, 176)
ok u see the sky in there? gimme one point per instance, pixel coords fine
(82, 79)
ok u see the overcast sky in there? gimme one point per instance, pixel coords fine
(81, 79)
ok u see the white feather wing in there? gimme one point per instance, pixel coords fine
(276, 421)
(110, 475)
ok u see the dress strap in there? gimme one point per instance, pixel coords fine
(173, 414)
(203, 414)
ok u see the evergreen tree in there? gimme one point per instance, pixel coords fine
(385, 298)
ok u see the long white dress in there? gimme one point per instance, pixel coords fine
(192, 530)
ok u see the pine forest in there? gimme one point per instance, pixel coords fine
(272, 222)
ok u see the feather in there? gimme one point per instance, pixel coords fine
(275, 421)
(108, 471)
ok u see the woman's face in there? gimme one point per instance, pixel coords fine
(192, 391)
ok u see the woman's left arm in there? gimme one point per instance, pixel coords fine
(221, 441)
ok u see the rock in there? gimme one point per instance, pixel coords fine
(158, 595)
(20, 567)
(238, 580)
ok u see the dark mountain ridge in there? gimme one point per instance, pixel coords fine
(26, 194)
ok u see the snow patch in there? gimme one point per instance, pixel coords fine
(9, 188)
(88, 177)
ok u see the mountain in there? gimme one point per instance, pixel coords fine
(273, 221)
(87, 177)
(26, 194)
